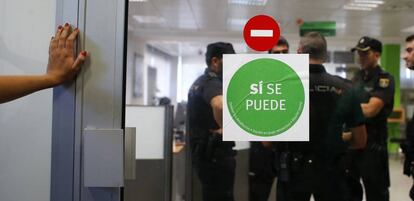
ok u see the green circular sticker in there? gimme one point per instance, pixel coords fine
(265, 97)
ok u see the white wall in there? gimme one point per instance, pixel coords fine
(166, 66)
(162, 63)
(135, 46)
(25, 124)
(192, 68)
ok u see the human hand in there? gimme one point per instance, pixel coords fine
(62, 65)
(267, 145)
(217, 131)
(346, 136)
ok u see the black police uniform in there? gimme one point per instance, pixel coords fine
(262, 171)
(408, 149)
(371, 164)
(213, 159)
(315, 166)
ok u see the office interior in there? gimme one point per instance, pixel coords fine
(164, 52)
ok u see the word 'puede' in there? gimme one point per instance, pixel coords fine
(265, 104)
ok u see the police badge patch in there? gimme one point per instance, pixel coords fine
(384, 82)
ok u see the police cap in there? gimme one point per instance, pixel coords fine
(366, 43)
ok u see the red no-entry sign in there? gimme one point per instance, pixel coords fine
(261, 32)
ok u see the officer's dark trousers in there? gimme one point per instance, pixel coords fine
(312, 177)
(217, 178)
(261, 172)
(281, 190)
(372, 167)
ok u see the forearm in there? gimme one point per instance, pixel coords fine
(373, 107)
(217, 106)
(61, 67)
(13, 87)
(367, 110)
(267, 145)
(359, 137)
(218, 116)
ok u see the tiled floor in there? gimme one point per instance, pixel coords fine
(400, 184)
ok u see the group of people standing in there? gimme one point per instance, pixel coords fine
(347, 153)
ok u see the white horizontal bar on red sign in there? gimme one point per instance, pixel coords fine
(261, 33)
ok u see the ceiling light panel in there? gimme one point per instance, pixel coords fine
(408, 30)
(248, 2)
(148, 19)
(346, 7)
(362, 5)
(236, 24)
(368, 1)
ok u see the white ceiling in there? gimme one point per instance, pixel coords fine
(184, 26)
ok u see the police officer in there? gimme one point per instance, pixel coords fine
(408, 145)
(262, 156)
(377, 95)
(314, 166)
(213, 159)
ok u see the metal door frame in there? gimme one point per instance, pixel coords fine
(80, 104)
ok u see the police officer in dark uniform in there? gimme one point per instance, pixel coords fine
(213, 159)
(377, 96)
(262, 155)
(408, 145)
(314, 166)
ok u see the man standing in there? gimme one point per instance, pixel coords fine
(313, 167)
(282, 47)
(262, 156)
(408, 146)
(409, 52)
(377, 96)
(214, 159)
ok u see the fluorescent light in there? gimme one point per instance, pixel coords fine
(236, 24)
(248, 2)
(148, 19)
(138, 0)
(367, 5)
(340, 25)
(368, 1)
(408, 29)
(356, 8)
